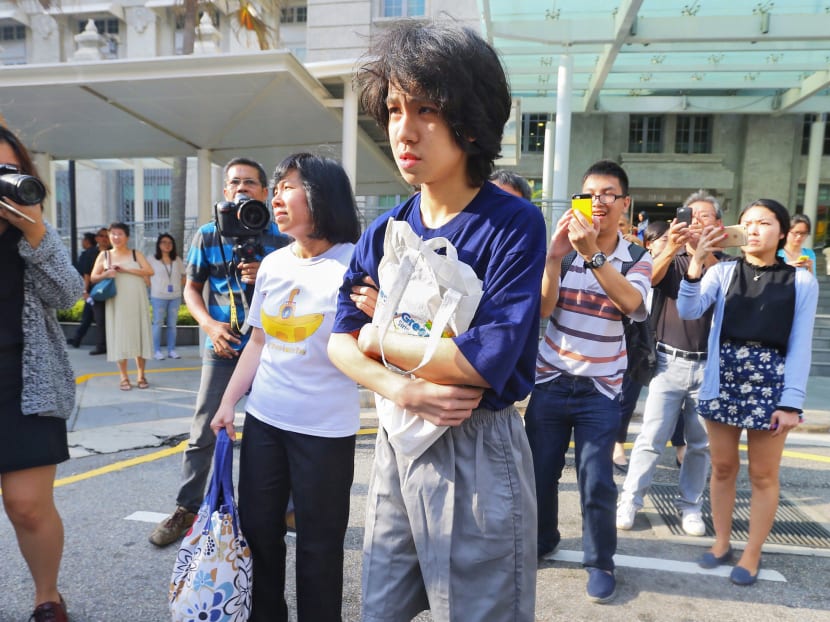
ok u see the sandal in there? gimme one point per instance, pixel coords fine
(142, 383)
(125, 384)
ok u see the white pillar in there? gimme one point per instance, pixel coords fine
(814, 173)
(43, 164)
(204, 200)
(138, 191)
(349, 153)
(561, 158)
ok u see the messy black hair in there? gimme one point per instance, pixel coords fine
(452, 67)
(608, 168)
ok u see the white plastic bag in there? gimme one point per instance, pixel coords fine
(426, 294)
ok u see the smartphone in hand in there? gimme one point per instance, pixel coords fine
(582, 203)
(684, 214)
(735, 236)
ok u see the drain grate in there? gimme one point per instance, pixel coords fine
(791, 527)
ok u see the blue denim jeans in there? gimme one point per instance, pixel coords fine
(164, 309)
(557, 409)
(672, 395)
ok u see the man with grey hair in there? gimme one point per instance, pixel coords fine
(681, 357)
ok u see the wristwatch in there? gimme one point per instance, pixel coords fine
(597, 261)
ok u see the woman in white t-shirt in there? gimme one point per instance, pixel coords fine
(166, 293)
(302, 414)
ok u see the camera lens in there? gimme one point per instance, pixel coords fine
(30, 190)
(254, 215)
(23, 189)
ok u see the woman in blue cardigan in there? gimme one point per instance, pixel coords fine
(762, 330)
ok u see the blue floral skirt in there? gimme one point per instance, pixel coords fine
(751, 383)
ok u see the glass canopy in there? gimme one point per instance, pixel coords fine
(662, 56)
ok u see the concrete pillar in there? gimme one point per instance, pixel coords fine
(349, 154)
(204, 200)
(142, 37)
(561, 158)
(814, 173)
(43, 164)
(46, 39)
(138, 191)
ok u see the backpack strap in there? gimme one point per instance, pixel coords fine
(567, 260)
(635, 250)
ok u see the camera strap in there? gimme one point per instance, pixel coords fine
(235, 326)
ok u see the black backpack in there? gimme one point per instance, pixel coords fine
(639, 336)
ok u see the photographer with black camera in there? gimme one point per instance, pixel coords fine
(225, 255)
(37, 386)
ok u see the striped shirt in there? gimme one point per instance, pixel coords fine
(584, 336)
(207, 263)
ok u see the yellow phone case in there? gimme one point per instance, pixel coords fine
(583, 203)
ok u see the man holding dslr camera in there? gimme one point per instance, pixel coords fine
(225, 255)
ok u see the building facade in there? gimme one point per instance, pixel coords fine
(738, 157)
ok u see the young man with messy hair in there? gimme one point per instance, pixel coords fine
(452, 530)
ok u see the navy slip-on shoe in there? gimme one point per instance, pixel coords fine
(708, 560)
(740, 576)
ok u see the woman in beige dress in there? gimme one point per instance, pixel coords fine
(129, 332)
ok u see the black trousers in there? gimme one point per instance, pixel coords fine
(318, 472)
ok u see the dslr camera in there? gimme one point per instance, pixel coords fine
(244, 219)
(22, 189)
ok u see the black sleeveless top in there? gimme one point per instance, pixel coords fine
(760, 304)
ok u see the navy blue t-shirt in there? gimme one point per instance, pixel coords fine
(502, 237)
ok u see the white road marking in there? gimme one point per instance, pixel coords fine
(157, 517)
(147, 517)
(667, 565)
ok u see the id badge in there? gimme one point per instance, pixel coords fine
(170, 288)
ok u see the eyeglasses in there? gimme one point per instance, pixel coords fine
(799, 234)
(236, 182)
(607, 198)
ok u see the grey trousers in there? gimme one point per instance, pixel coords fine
(454, 530)
(198, 457)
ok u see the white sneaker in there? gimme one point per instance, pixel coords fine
(158, 356)
(625, 515)
(693, 523)
(173, 355)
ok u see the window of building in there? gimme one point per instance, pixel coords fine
(645, 134)
(294, 15)
(693, 134)
(12, 43)
(125, 188)
(805, 142)
(402, 8)
(533, 132)
(62, 206)
(104, 26)
(157, 182)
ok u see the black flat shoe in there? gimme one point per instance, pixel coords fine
(622, 468)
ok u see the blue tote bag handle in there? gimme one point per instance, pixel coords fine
(220, 492)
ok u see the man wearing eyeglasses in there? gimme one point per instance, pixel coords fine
(580, 366)
(212, 262)
(673, 392)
